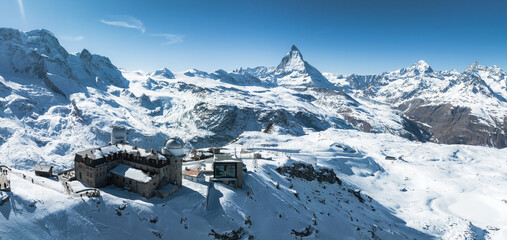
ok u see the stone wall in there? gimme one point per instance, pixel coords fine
(98, 176)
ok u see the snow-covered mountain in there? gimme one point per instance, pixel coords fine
(38, 54)
(164, 73)
(292, 72)
(78, 96)
(54, 103)
(296, 72)
(456, 108)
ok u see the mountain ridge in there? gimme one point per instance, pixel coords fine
(380, 135)
(334, 104)
(39, 54)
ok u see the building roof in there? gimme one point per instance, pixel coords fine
(42, 168)
(78, 186)
(193, 173)
(101, 152)
(131, 173)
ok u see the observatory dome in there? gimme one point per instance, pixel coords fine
(174, 146)
(174, 143)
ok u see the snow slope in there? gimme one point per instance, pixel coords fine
(423, 196)
(446, 191)
(54, 103)
(269, 206)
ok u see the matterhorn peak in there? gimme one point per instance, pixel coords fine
(294, 71)
(293, 61)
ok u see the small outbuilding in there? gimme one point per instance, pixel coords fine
(5, 184)
(193, 175)
(43, 170)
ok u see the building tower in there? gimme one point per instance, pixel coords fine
(173, 150)
(119, 135)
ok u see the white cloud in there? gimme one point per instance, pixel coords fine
(127, 22)
(170, 38)
(21, 9)
(72, 38)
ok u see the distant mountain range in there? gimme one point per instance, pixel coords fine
(53, 102)
(455, 108)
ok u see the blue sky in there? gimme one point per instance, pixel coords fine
(345, 37)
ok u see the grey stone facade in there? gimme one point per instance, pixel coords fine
(94, 167)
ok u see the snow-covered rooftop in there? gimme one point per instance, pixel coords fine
(131, 173)
(78, 186)
(101, 152)
(42, 168)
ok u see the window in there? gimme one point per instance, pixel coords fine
(225, 170)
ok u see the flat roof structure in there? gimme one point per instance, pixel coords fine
(131, 173)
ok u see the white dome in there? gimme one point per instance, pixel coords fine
(174, 146)
(174, 143)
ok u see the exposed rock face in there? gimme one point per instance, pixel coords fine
(226, 122)
(232, 235)
(457, 125)
(361, 82)
(307, 172)
(244, 79)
